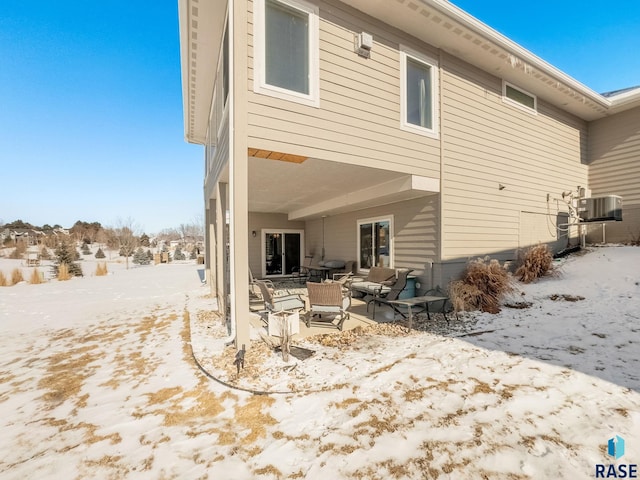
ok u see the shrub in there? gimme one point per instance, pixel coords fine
(16, 276)
(3, 280)
(536, 262)
(140, 257)
(66, 253)
(100, 253)
(19, 251)
(101, 269)
(178, 255)
(482, 286)
(36, 277)
(63, 272)
(44, 253)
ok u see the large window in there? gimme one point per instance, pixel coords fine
(374, 243)
(286, 50)
(518, 97)
(418, 89)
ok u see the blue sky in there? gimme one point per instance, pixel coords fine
(597, 43)
(91, 124)
(91, 112)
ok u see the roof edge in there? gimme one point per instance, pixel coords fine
(511, 46)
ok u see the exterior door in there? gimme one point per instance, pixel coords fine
(281, 252)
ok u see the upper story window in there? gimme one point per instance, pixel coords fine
(286, 50)
(418, 92)
(519, 97)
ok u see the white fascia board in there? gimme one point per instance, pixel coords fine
(499, 39)
(626, 100)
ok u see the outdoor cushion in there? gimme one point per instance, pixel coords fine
(334, 264)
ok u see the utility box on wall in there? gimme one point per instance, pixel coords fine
(601, 209)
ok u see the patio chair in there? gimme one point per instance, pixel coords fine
(346, 271)
(274, 303)
(302, 273)
(253, 284)
(384, 295)
(329, 299)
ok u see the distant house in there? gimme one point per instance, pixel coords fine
(27, 235)
(408, 135)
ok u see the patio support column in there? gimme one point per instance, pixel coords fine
(221, 239)
(210, 260)
(239, 171)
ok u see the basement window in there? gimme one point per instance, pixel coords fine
(518, 97)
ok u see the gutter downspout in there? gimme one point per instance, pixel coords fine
(231, 153)
(441, 200)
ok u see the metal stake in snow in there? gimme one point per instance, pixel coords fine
(239, 361)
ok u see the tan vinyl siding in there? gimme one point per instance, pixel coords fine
(614, 169)
(358, 121)
(614, 152)
(415, 240)
(488, 143)
(627, 231)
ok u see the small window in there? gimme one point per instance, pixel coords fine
(286, 50)
(418, 90)
(374, 243)
(519, 97)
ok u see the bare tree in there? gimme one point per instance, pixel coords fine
(168, 234)
(192, 232)
(125, 233)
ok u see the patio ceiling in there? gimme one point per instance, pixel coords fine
(317, 187)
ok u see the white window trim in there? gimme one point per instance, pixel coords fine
(263, 241)
(514, 103)
(260, 85)
(386, 218)
(435, 89)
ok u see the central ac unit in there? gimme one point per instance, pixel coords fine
(601, 209)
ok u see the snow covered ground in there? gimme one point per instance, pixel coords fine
(98, 380)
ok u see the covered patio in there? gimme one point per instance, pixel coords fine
(307, 211)
(303, 210)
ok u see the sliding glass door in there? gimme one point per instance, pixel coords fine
(281, 252)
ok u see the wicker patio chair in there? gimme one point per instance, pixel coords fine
(328, 299)
(278, 303)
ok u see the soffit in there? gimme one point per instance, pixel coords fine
(201, 25)
(310, 187)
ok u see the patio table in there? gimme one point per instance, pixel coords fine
(320, 272)
(424, 300)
